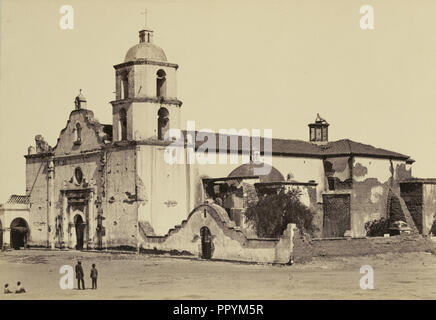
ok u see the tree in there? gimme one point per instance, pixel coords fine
(275, 210)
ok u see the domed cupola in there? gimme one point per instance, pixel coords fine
(145, 49)
(318, 131)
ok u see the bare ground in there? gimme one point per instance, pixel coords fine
(133, 276)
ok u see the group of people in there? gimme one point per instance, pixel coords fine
(19, 288)
(80, 275)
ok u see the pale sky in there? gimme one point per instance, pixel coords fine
(242, 64)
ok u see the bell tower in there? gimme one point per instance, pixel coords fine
(146, 103)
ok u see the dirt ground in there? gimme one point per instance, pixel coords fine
(133, 276)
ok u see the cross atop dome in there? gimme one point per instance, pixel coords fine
(145, 17)
(145, 35)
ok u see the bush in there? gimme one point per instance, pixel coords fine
(377, 228)
(274, 211)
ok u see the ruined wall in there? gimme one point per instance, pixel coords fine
(292, 168)
(412, 194)
(305, 250)
(163, 190)
(429, 210)
(338, 172)
(372, 179)
(229, 242)
(302, 170)
(119, 203)
(36, 189)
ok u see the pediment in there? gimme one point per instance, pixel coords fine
(82, 133)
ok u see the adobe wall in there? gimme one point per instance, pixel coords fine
(36, 187)
(372, 180)
(229, 242)
(119, 203)
(162, 189)
(296, 168)
(305, 249)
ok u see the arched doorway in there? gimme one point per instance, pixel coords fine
(206, 243)
(19, 233)
(80, 227)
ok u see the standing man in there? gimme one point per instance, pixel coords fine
(80, 275)
(94, 275)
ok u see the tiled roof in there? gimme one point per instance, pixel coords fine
(17, 199)
(343, 147)
(420, 180)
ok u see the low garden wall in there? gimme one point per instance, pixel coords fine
(228, 240)
(305, 249)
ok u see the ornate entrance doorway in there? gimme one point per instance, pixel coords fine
(79, 225)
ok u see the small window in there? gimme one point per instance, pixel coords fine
(163, 123)
(78, 175)
(161, 83)
(78, 134)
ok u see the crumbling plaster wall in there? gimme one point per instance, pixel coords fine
(338, 169)
(119, 203)
(36, 188)
(296, 168)
(302, 169)
(372, 179)
(429, 207)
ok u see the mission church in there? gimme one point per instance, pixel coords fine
(109, 186)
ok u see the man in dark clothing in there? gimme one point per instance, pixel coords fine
(80, 275)
(94, 275)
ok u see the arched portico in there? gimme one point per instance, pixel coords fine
(19, 233)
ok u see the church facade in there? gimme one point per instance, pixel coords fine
(109, 185)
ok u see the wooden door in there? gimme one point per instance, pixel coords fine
(337, 217)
